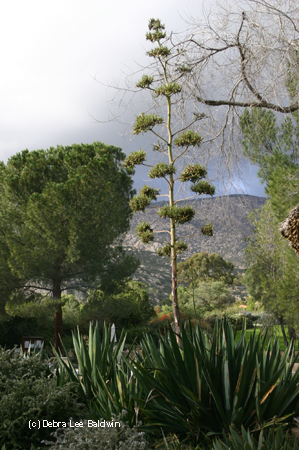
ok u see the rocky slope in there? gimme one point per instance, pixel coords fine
(226, 214)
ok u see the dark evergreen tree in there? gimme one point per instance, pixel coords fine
(62, 213)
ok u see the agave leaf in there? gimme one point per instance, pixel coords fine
(177, 355)
(203, 412)
(235, 437)
(67, 371)
(215, 394)
(237, 416)
(191, 363)
(226, 386)
(289, 399)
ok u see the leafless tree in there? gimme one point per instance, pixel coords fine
(246, 53)
(239, 54)
(242, 54)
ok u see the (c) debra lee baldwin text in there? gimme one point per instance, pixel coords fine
(56, 424)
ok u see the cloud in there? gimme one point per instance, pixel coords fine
(50, 54)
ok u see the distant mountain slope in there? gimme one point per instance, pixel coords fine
(228, 216)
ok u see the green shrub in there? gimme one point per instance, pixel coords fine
(13, 328)
(35, 318)
(31, 448)
(28, 391)
(120, 437)
(72, 311)
(237, 319)
(127, 308)
(135, 334)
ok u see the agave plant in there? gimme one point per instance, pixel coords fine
(208, 385)
(269, 440)
(105, 383)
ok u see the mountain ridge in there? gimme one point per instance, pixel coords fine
(227, 214)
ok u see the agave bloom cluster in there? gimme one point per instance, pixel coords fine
(174, 141)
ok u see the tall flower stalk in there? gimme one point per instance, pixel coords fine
(167, 88)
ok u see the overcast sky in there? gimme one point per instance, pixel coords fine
(51, 53)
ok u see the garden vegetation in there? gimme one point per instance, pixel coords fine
(177, 377)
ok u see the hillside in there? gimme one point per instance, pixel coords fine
(227, 215)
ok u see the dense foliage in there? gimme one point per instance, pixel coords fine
(119, 437)
(27, 393)
(128, 309)
(61, 211)
(205, 266)
(208, 297)
(274, 149)
(272, 271)
(206, 385)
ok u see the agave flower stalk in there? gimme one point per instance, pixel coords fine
(167, 87)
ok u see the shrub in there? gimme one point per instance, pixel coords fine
(73, 313)
(94, 438)
(126, 308)
(35, 318)
(13, 328)
(163, 320)
(236, 319)
(135, 334)
(26, 393)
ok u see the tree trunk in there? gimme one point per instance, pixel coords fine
(285, 340)
(58, 324)
(292, 336)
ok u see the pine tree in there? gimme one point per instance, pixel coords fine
(62, 214)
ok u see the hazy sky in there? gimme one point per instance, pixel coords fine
(51, 53)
